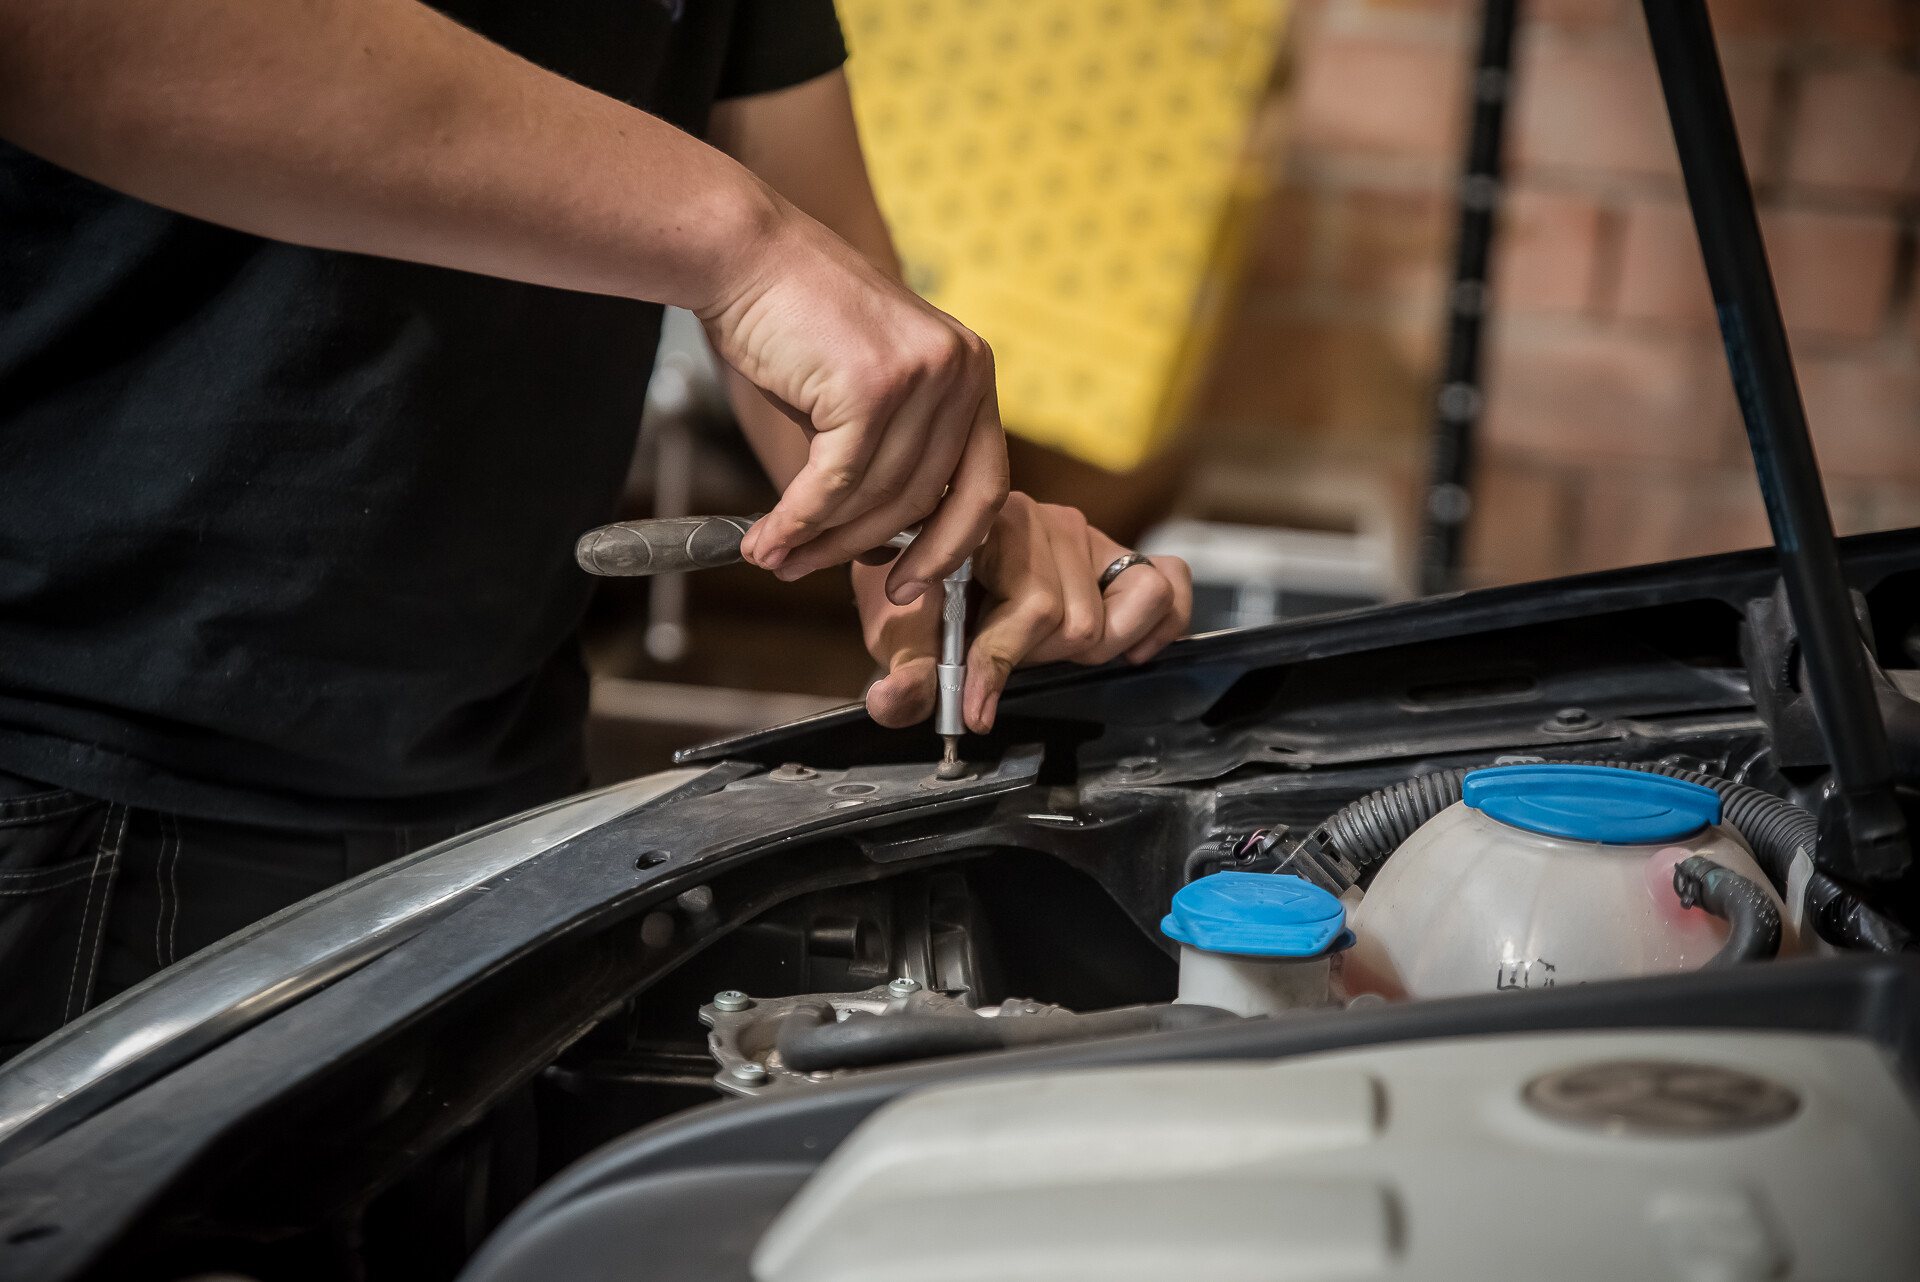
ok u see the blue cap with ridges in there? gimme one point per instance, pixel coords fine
(1256, 914)
(1592, 803)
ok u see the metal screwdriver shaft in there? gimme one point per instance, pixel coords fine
(948, 722)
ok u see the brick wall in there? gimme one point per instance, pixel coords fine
(1611, 435)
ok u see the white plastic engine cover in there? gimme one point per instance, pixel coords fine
(1727, 1158)
(1472, 905)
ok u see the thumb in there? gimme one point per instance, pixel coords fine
(904, 638)
(905, 696)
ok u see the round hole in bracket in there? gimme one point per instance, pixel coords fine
(651, 859)
(854, 789)
(32, 1233)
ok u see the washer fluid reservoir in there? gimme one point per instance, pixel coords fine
(1256, 943)
(1545, 875)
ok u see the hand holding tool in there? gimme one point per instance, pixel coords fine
(671, 545)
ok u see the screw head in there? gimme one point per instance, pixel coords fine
(749, 1073)
(731, 999)
(904, 987)
(793, 772)
(1571, 719)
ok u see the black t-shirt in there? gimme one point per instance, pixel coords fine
(286, 534)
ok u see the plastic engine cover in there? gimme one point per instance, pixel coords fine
(1694, 1156)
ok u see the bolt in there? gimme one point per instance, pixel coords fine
(731, 999)
(750, 1074)
(793, 772)
(1138, 765)
(1571, 719)
(904, 987)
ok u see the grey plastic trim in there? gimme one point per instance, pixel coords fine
(177, 1014)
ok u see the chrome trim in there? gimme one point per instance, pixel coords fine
(173, 1016)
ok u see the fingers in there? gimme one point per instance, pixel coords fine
(1018, 570)
(883, 455)
(836, 461)
(905, 696)
(1009, 632)
(1173, 624)
(1144, 607)
(962, 519)
(921, 494)
(1083, 615)
(903, 639)
(1040, 569)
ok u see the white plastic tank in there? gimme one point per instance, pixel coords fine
(1543, 876)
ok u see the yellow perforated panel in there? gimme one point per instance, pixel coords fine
(1059, 175)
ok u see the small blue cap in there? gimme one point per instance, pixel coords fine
(1256, 914)
(1593, 803)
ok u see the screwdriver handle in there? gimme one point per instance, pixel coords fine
(663, 545)
(670, 544)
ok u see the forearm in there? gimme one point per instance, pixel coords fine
(802, 142)
(379, 127)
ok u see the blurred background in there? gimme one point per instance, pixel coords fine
(1211, 243)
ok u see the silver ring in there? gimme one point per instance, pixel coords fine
(1120, 566)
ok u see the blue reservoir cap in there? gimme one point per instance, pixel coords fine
(1257, 914)
(1593, 803)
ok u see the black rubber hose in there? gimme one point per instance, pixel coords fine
(1778, 832)
(1366, 831)
(810, 1040)
(1748, 910)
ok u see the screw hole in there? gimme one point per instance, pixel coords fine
(32, 1233)
(853, 789)
(651, 859)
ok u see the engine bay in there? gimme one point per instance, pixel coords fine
(810, 924)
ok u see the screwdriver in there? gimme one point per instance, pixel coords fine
(675, 544)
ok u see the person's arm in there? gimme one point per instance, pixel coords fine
(1040, 563)
(382, 127)
(802, 142)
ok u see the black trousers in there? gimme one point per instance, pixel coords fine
(96, 896)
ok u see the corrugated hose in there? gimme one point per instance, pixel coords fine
(1361, 834)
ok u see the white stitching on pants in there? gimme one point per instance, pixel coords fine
(15, 814)
(160, 887)
(112, 855)
(44, 886)
(173, 880)
(86, 910)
